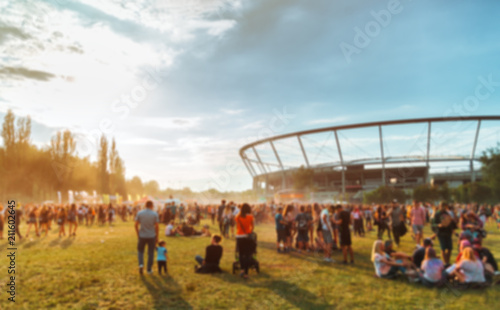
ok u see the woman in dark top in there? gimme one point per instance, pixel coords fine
(213, 254)
(381, 222)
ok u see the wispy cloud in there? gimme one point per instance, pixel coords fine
(331, 121)
(232, 111)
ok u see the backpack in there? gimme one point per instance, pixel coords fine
(302, 222)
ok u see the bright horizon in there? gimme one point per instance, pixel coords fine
(183, 85)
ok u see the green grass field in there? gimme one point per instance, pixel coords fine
(98, 270)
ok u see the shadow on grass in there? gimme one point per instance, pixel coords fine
(294, 294)
(166, 292)
(67, 243)
(55, 242)
(31, 243)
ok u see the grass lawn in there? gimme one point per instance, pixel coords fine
(98, 270)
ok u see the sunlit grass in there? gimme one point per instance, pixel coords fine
(98, 270)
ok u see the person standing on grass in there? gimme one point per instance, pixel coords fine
(327, 230)
(220, 219)
(280, 229)
(245, 244)
(397, 220)
(418, 216)
(445, 226)
(303, 221)
(32, 220)
(61, 220)
(288, 220)
(73, 224)
(161, 257)
(343, 219)
(146, 227)
(44, 220)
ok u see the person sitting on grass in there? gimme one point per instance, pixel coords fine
(463, 245)
(469, 269)
(419, 254)
(397, 256)
(213, 254)
(384, 266)
(205, 231)
(170, 230)
(161, 257)
(432, 269)
(487, 258)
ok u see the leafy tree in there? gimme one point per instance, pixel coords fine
(384, 194)
(135, 186)
(491, 170)
(102, 164)
(426, 193)
(152, 188)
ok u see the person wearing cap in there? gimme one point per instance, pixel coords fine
(419, 254)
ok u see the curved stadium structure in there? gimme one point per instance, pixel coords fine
(361, 157)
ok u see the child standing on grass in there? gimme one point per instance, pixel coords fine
(161, 257)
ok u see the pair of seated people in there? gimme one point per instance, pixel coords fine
(213, 254)
(185, 230)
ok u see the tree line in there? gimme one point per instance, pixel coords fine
(31, 173)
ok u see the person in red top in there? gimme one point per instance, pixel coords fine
(246, 246)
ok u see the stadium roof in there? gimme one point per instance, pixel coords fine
(451, 143)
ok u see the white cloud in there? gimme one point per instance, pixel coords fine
(328, 120)
(232, 111)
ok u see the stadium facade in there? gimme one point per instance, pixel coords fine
(361, 157)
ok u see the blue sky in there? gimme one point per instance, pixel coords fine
(183, 84)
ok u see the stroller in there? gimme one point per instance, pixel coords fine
(254, 264)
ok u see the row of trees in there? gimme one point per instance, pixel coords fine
(31, 173)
